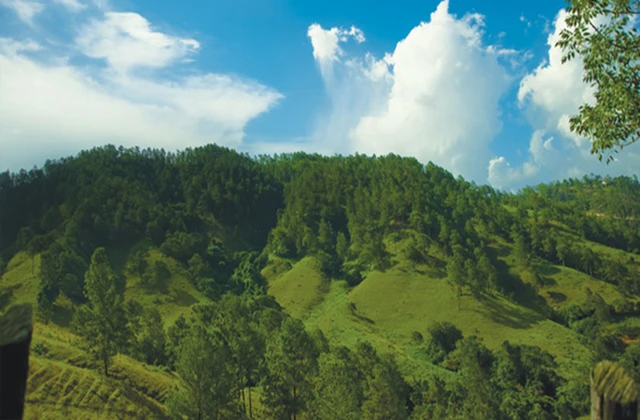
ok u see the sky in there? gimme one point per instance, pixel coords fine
(474, 87)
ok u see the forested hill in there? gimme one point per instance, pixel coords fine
(554, 269)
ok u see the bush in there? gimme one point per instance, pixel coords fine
(623, 306)
(443, 338)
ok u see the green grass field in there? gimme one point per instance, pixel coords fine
(387, 307)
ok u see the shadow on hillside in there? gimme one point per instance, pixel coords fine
(501, 250)
(62, 316)
(548, 269)
(5, 298)
(353, 309)
(522, 293)
(181, 298)
(506, 315)
(557, 297)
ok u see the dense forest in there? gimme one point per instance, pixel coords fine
(224, 217)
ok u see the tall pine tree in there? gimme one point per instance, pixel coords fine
(102, 321)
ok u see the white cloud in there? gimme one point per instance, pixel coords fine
(50, 108)
(435, 97)
(325, 41)
(26, 10)
(554, 90)
(550, 95)
(72, 5)
(542, 155)
(12, 47)
(126, 41)
(48, 111)
(326, 48)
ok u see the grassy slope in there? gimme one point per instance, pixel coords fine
(300, 289)
(19, 283)
(388, 306)
(173, 298)
(64, 382)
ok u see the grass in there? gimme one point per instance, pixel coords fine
(173, 298)
(20, 282)
(64, 382)
(300, 289)
(570, 286)
(387, 307)
(400, 303)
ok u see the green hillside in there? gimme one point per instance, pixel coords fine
(274, 287)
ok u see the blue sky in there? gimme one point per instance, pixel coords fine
(475, 87)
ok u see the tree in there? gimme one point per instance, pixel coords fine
(562, 250)
(62, 269)
(475, 367)
(601, 33)
(152, 339)
(386, 392)
(521, 251)
(233, 319)
(138, 264)
(325, 236)
(175, 334)
(342, 246)
(338, 391)
(456, 274)
(102, 321)
(443, 337)
(206, 383)
(291, 364)
(487, 269)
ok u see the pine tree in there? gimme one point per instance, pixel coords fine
(342, 246)
(385, 396)
(152, 339)
(338, 391)
(102, 321)
(207, 385)
(456, 275)
(292, 364)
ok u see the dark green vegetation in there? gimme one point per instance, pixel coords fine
(604, 34)
(208, 284)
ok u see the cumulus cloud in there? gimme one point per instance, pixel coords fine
(326, 48)
(50, 110)
(435, 97)
(126, 41)
(550, 95)
(26, 10)
(553, 91)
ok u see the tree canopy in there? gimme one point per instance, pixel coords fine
(604, 34)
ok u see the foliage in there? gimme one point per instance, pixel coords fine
(216, 218)
(603, 34)
(206, 383)
(443, 337)
(102, 321)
